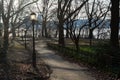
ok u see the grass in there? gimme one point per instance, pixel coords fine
(88, 49)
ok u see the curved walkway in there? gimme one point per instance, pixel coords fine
(62, 69)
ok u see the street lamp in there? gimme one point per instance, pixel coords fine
(33, 19)
(25, 38)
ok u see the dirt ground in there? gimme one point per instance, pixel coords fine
(18, 66)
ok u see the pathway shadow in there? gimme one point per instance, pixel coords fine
(69, 69)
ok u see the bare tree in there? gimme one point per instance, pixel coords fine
(114, 40)
(46, 14)
(7, 14)
(15, 20)
(72, 27)
(74, 33)
(62, 15)
(96, 13)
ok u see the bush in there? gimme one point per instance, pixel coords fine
(101, 56)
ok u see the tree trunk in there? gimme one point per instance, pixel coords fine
(6, 35)
(90, 36)
(18, 31)
(114, 41)
(67, 32)
(98, 34)
(90, 31)
(0, 38)
(77, 45)
(46, 34)
(13, 32)
(42, 33)
(43, 30)
(56, 33)
(0, 33)
(61, 34)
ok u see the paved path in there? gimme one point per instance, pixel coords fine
(62, 69)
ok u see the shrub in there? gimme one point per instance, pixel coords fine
(101, 56)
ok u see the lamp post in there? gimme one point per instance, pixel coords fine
(18, 31)
(33, 19)
(25, 38)
(22, 34)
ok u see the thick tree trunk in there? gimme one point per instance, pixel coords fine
(6, 35)
(90, 36)
(46, 34)
(90, 31)
(44, 29)
(77, 45)
(42, 33)
(0, 38)
(61, 34)
(114, 41)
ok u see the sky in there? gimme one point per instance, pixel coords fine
(34, 7)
